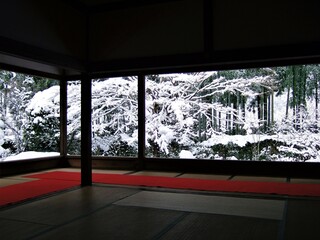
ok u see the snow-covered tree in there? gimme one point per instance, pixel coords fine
(15, 93)
(184, 109)
(74, 117)
(3, 152)
(115, 116)
(236, 114)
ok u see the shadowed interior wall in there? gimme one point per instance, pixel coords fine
(58, 29)
(144, 31)
(249, 24)
(49, 25)
(202, 30)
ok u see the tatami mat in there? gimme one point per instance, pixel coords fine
(101, 212)
(302, 220)
(155, 173)
(11, 181)
(305, 180)
(19, 177)
(11, 229)
(111, 171)
(205, 176)
(65, 207)
(258, 208)
(64, 169)
(24, 176)
(258, 179)
(221, 227)
(116, 222)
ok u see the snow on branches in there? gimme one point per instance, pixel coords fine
(211, 115)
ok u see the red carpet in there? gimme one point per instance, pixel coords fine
(290, 189)
(24, 191)
(59, 180)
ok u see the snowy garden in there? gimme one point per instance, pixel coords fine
(266, 114)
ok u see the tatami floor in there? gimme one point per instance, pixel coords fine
(113, 212)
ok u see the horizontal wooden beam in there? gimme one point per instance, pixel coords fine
(219, 60)
(254, 168)
(93, 8)
(38, 59)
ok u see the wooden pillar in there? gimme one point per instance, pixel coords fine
(86, 155)
(208, 28)
(63, 118)
(141, 122)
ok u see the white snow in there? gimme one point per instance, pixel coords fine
(173, 105)
(45, 100)
(30, 155)
(186, 154)
(240, 140)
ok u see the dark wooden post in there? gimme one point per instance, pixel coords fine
(63, 118)
(86, 155)
(141, 122)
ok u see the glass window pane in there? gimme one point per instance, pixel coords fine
(263, 114)
(30, 112)
(74, 118)
(114, 117)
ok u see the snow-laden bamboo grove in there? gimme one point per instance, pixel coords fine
(236, 115)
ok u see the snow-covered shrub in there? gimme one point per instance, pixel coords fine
(42, 133)
(9, 145)
(3, 152)
(113, 146)
(42, 130)
(251, 114)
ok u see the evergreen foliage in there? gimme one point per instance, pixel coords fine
(213, 115)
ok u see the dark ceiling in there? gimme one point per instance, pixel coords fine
(114, 37)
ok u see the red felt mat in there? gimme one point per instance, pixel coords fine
(28, 190)
(290, 189)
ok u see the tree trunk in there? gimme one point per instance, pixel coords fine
(236, 108)
(205, 128)
(272, 107)
(294, 97)
(214, 115)
(316, 99)
(219, 122)
(228, 113)
(269, 111)
(288, 102)
(265, 109)
(5, 101)
(243, 108)
(199, 123)
(259, 106)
